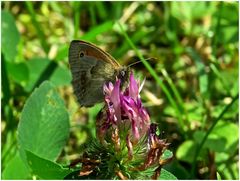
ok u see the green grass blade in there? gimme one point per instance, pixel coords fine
(202, 74)
(217, 29)
(91, 35)
(76, 19)
(102, 12)
(176, 94)
(218, 75)
(93, 15)
(37, 26)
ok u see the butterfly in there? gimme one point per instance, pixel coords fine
(91, 68)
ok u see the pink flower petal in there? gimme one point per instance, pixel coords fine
(115, 98)
(133, 87)
(107, 88)
(126, 106)
(135, 130)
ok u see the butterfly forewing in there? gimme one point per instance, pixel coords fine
(94, 51)
(91, 67)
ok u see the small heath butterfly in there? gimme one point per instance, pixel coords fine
(91, 68)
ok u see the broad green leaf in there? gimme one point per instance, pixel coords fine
(44, 123)
(214, 142)
(221, 157)
(36, 67)
(178, 170)
(228, 131)
(62, 53)
(195, 111)
(46, 169)
(165, 175)
(18, 72)
(43, 68)
(9, 36)
(16, 169)
(61, 76)
(186, 151)
(222, 139)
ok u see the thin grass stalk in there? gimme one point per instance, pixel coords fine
(176, 94)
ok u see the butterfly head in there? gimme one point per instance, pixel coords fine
(123, 75)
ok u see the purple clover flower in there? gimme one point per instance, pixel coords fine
(123, 122)
(126, 106)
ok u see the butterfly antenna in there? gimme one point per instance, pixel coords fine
(134, 63)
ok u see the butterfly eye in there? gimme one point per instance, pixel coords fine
(82, 53)
(122, 73)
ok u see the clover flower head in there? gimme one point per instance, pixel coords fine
(124, 125)
(126, 106)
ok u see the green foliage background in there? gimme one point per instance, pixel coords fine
(191, 87)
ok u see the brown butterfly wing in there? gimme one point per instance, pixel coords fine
(91, 67)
